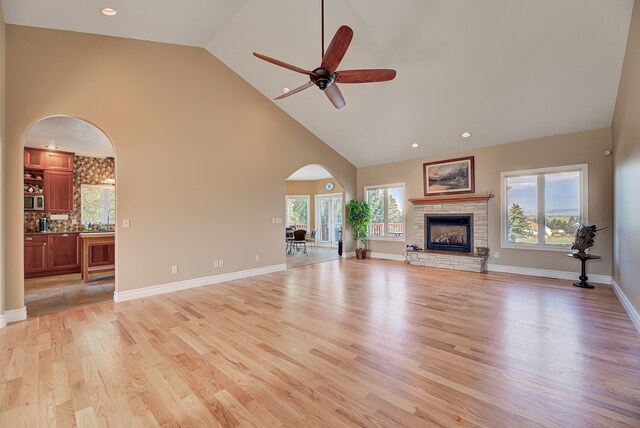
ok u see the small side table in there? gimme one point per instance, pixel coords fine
(583, 257)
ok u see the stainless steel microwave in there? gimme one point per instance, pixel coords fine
(34, 202)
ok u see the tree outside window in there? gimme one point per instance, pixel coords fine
(97, 201)
(387, 208)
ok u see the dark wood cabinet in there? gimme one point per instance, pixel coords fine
(64, 251)
(51, 254)
(58, 161)
(34, 158)
(35, 254)
(58, 191)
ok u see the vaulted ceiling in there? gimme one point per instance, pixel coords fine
(502, 70)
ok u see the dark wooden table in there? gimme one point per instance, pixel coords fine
(583, 257)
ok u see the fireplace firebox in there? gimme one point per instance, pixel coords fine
(449, 232)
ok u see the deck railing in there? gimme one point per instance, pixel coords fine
(395, 230)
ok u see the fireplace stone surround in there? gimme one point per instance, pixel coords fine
(474, 205)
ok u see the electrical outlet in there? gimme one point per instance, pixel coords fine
(174, 269)
(257, 257)
(496, 255)
(215, 263)
(221, 263)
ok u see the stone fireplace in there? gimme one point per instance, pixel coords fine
(449, 229)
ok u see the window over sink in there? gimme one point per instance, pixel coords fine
(97, 201)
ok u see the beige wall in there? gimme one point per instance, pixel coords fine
(184, 127)
(626, 146)
(577, 148)
(2, 159)
(313, 188)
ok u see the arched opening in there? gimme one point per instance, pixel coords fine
(314, 202)
(69, 215)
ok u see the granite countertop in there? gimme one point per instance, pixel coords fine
(69, 231)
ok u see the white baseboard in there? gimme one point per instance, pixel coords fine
(121, 296)
(13, 315)
(633, 313)
(546, 273)
(3, 322)
(395, 257)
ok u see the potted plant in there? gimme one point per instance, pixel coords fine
(359, 216)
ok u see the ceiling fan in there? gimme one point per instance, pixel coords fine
(326, 76)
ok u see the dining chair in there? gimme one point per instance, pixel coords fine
(312, 239)
(300, 240)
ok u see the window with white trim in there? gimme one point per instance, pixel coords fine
(542, 208)
(97, 201)
(387, 206)
(297, 211)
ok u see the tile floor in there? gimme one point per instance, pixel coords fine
(59, 292)
(314, 255)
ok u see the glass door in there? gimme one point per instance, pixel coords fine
(329, 219)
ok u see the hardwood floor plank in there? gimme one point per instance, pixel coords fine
(344, 343)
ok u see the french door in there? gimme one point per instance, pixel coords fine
(329, 210)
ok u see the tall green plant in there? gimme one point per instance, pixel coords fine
(359, 216)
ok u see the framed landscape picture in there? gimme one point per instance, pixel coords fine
(449, 177)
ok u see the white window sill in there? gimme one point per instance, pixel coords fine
(383, 238)
(537, 247)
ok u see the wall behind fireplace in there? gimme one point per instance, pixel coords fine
(575, 148)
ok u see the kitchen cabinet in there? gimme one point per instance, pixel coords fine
(51, 254)
(58, 161)
(33, 158)
(98, 253)
(64, 251)
(58, 191)
(35, 254)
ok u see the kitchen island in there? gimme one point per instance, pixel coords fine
(98, 253)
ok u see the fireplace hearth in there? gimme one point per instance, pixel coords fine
(449, 232)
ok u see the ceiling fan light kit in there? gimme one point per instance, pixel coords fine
(325, 77)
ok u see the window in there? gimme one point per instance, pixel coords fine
(543, 207)
(297, 210)
(387, 206)
(97, 201)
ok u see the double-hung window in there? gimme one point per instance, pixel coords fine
(387, 207)
(297, 211)
(542, 208)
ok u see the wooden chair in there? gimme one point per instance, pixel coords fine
(312, 239)
(300, 240)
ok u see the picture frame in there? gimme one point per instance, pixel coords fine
(449, 177)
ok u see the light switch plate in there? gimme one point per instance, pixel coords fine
(125, 222)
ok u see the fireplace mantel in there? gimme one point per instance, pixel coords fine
(453, 199)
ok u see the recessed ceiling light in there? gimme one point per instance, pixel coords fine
(414, 145)
(466, 134)
(109, 11)
(286, 90)
(50, 146)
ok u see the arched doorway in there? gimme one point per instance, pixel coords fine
(69, 215)
(314, 203)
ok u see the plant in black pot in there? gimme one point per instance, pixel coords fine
(359, 216)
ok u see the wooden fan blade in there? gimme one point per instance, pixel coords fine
(365, 76)
(336, 50)
(335, 96)
(295, 91)
(284, 64)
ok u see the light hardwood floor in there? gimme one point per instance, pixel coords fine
(341, 343)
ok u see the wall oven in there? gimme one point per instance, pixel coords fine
(34, 202)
